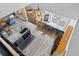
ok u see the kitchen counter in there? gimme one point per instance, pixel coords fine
(56, 21)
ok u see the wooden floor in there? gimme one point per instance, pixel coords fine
(64, 40)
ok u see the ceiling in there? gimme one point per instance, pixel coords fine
(7, 8)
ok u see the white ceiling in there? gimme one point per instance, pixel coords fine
(7, 8)
(67, 9)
